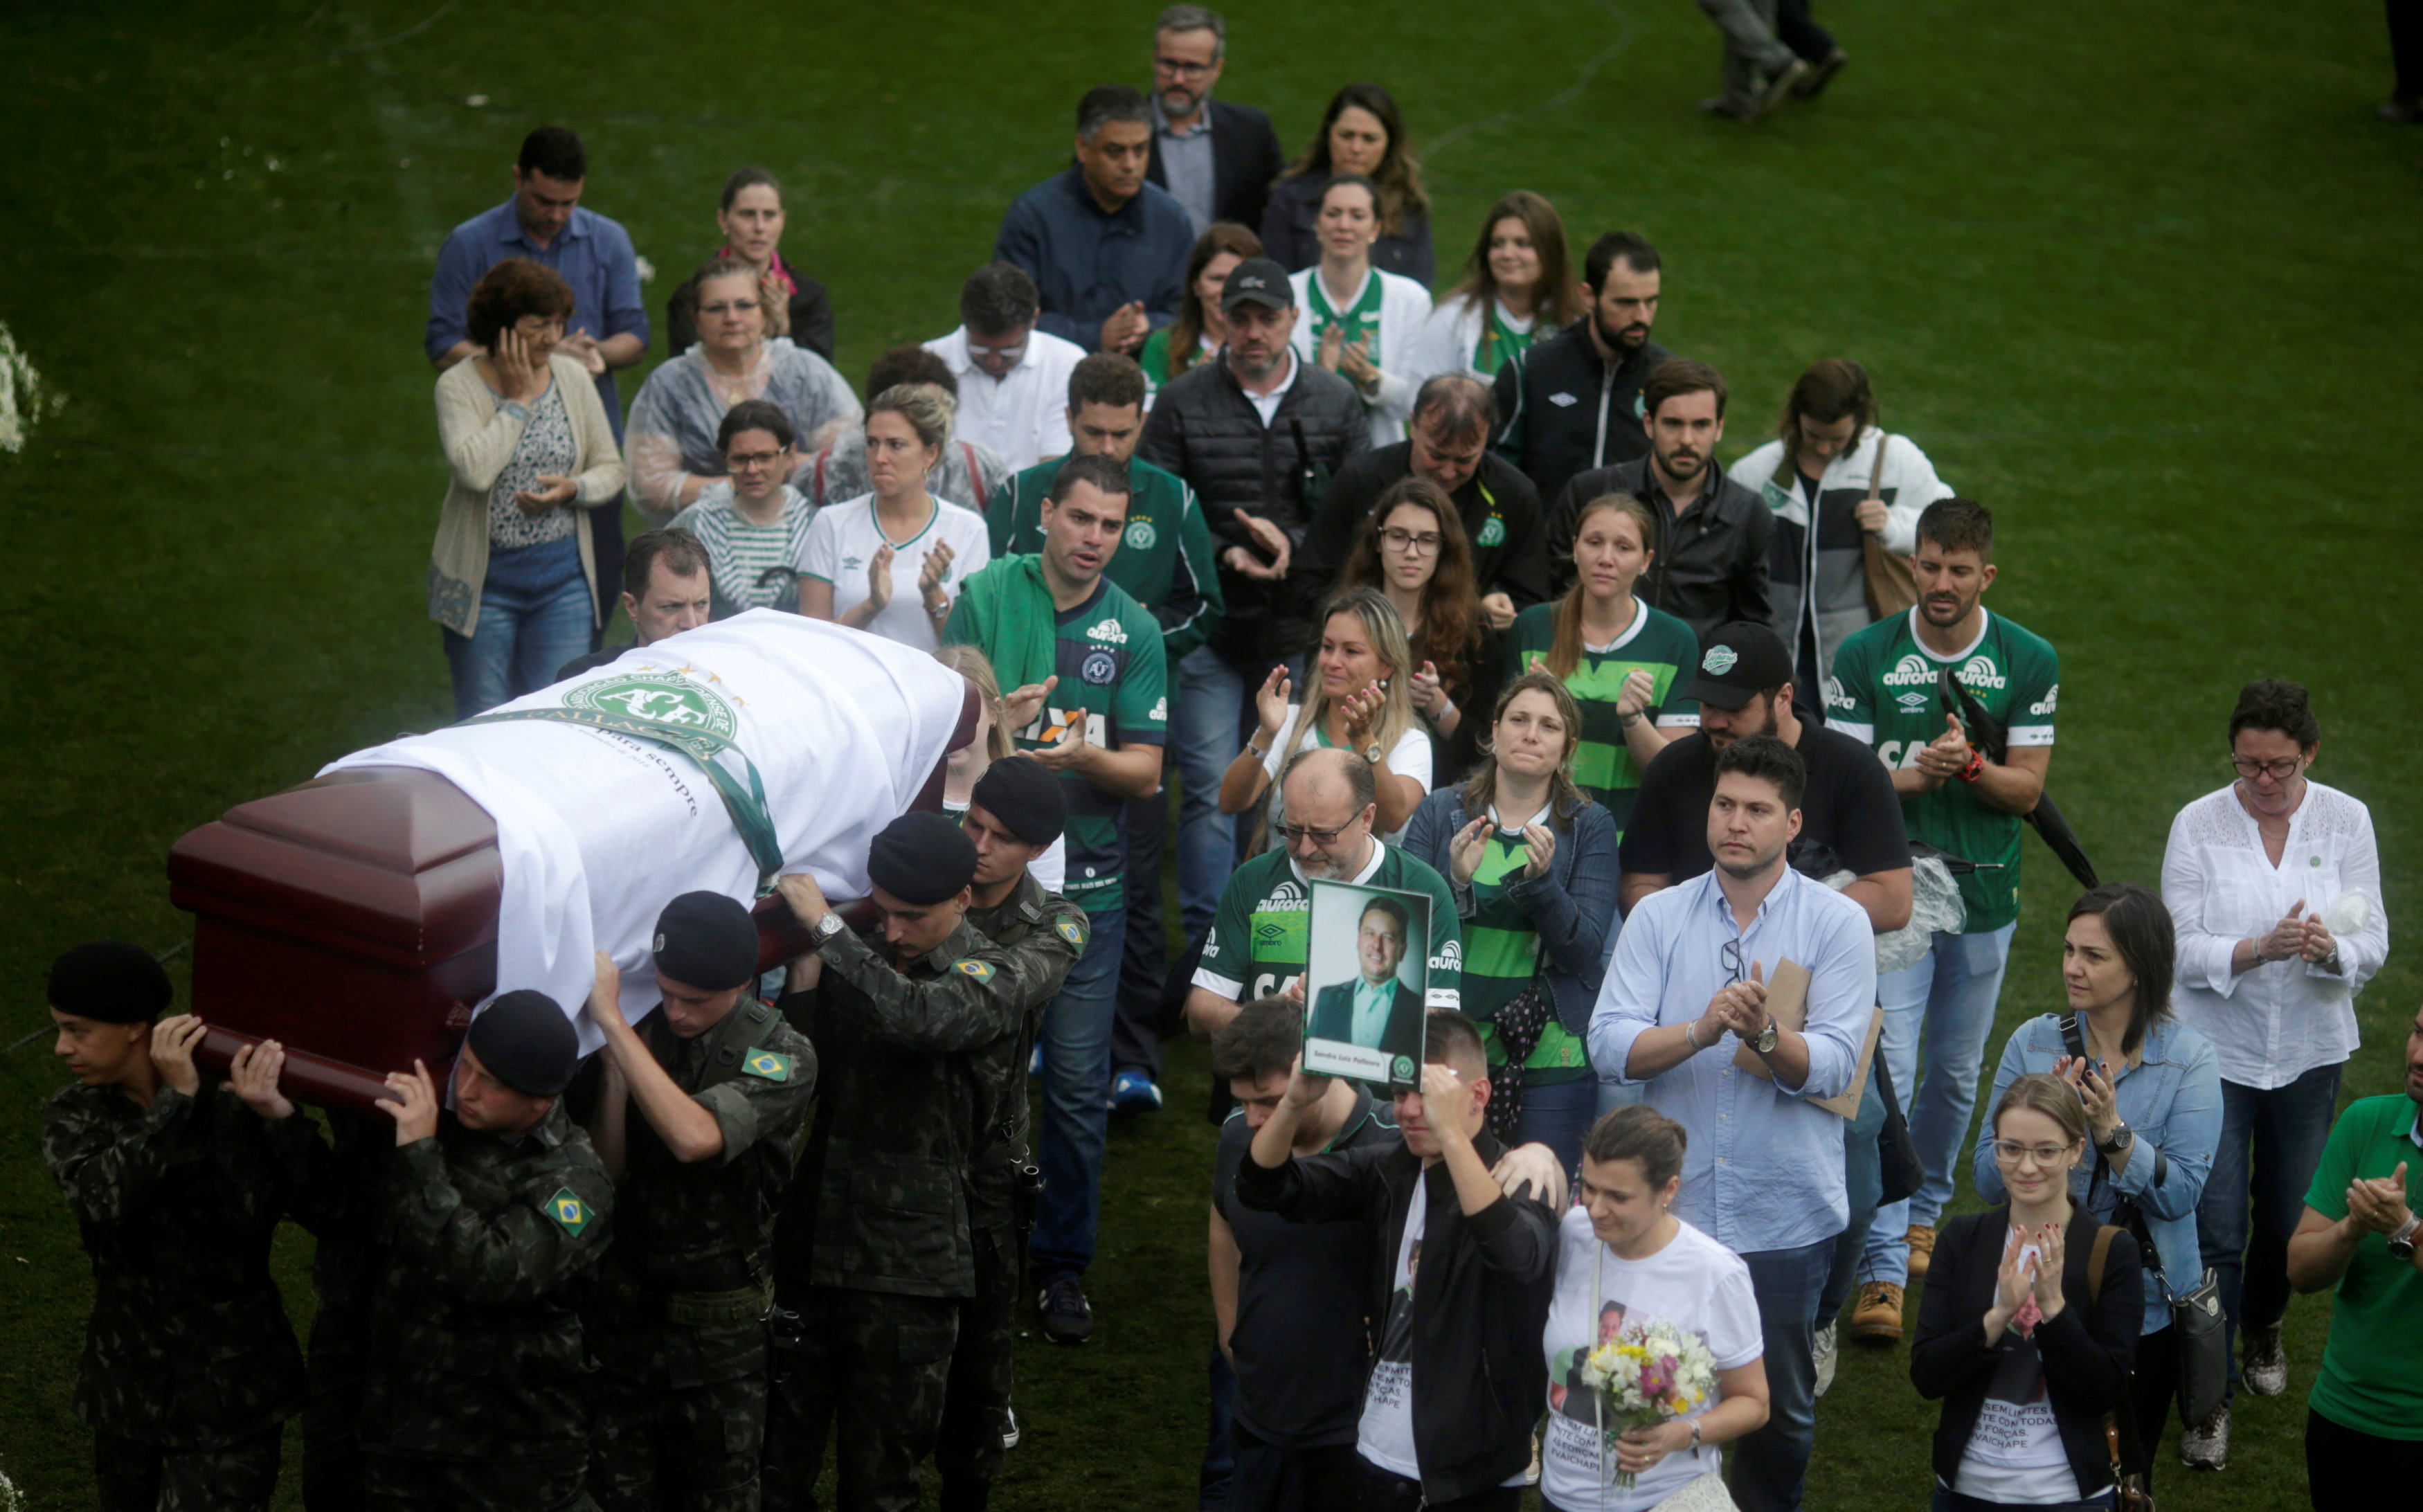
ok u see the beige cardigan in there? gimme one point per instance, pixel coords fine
(479, 436)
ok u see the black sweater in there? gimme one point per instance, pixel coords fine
(2087, 1349)
(1478, 1373)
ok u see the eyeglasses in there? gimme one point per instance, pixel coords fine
(2280, 770)
(2011, 1151)
(744, 461)
(1426, 544)
(1009, 352)
(1305, 834)
(1177, 70)
(1735, 967)
(730, 306)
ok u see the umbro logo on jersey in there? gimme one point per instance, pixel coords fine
(1564, 401)
(2045, 705)
(1980, 672)
(1109, 631)
(1913, 701)
(1912, 671)
(851, 563)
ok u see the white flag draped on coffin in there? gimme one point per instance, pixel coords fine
(821, 737)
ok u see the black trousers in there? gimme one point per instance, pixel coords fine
(605, 548)
(2406, 45)
(132, 1476)
(2351, 1472)
(1136, 1031)
(2154, 1386)
(1275, 1477)
(414, 1483)
(1387, 1491)
(1807, 39)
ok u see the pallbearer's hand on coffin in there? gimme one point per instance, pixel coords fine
(606, 998)
(252, 1075)
(806, 898)
(412, 1102)
(172, 1052)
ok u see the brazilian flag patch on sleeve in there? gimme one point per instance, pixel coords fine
(568, 1210)
(980, 970)
(1072, 933)
(769, 1064)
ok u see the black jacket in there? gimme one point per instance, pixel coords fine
(1561, 410)
(1204, 429)
(1246, 158)
(2087, 1349)
(1711, 566)
(1514, 562)
(1482, 1301)
(1289, 234)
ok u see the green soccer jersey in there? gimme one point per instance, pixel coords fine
(1501, 957)
(1260, 936)
(1107, 654)
(1360, 321)
(1885, 691)
(1655, 643)
(1165, 556)
(2369, 1381)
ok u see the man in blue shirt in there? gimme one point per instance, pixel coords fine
(1764, 1175)
(543, 222)
(1107, 249)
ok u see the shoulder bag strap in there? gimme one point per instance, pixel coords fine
(2095, 1261)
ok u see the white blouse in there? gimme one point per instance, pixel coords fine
(2284, 1018)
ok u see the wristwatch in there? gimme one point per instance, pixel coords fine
(1372, 752)
(1764, 1041)
(827, 927)
(2401, 1244)
(2121, 1138)
(1695, 1436)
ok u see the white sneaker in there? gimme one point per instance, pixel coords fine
(2266, 1367)
(1010, 1436)
(1823, 1354)
(2206, 1445)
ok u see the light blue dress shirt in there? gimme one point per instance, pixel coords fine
(1371, 1003)
(1763, 1169)
(593, 253)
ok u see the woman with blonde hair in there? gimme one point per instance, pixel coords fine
(992, 744)
(1518, 285)
(890, 561)
(1358, 703)
(1621, 657)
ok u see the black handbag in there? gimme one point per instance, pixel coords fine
(2198, 1330)
(1896, 1151)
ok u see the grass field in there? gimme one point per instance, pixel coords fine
(2139, 276)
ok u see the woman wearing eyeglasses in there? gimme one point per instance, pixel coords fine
(2275, 882)
(739, 355)
(2022, 1335)
(1414, 550)
(1357, 703)
(2152, 1099)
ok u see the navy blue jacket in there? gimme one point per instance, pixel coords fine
(1087, 264)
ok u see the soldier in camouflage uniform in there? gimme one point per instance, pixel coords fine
(189, 1365)
(1014, 814)
(876, 1250)
(486, 1221)
(699, 1119)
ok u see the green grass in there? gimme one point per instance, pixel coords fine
(2139, 276)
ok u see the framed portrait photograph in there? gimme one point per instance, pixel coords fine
(1365, 984)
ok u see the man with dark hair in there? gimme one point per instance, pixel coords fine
(754, 525)
(667, 589)
(698, 1111)
(1106, 249)
(1454, 415)
(1086, 684)
(189, 1364)
(967, 471)
(1764, 1172)
(1164, 564)
(1714, 535)
(1892, 691)
(1448, 1412)
(1376, 1009)
(1259, 436)
(1571, 401)
(1010, 376)
(544, 221)
(1217, 160)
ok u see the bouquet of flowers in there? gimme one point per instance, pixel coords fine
(1650, 1374)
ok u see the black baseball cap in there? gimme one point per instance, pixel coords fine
(1740, 661)
(1257, 281)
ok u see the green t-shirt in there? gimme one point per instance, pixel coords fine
(1260, 935)
(1884, 692)
(1165, 557)
(1360, 320)
(1107, 653)
(1655, 643)
(1501, 957)
(2369, 1380)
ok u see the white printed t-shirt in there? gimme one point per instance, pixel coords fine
(843, 538)
(1409, 757)
(2015, 1452)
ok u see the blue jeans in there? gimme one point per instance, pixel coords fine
(1948, 1499)
(1952, 992)
(1206, 731)
(1559, 1116)
(1076, 1106)
(1772, 1464)
(2271, 1141)
(1864, 1182)
(523, 634)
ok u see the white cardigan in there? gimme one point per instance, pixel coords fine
(1404, 309)
(1907, 472)
(1449, 338)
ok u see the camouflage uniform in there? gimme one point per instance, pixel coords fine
(477, 1394)
(876, 1253)
(189, 1365)
(1046, 934)
(678, 1327)
(336, 1199)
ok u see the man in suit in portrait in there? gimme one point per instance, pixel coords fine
(1375, 1010)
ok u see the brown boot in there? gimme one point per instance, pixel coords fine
(1921, 1239)
(1878, 1318)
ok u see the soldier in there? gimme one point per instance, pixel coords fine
(1014, 814)
(486, 1218)
(876, 1253)
(698, 1120)
(189, 1366)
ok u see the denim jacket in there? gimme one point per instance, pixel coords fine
(2172, 1103)
(1573, 906)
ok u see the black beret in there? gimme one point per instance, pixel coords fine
(525, 1040)
(109, 981)
(1026, 797)
(922, 858)
(707, 941)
